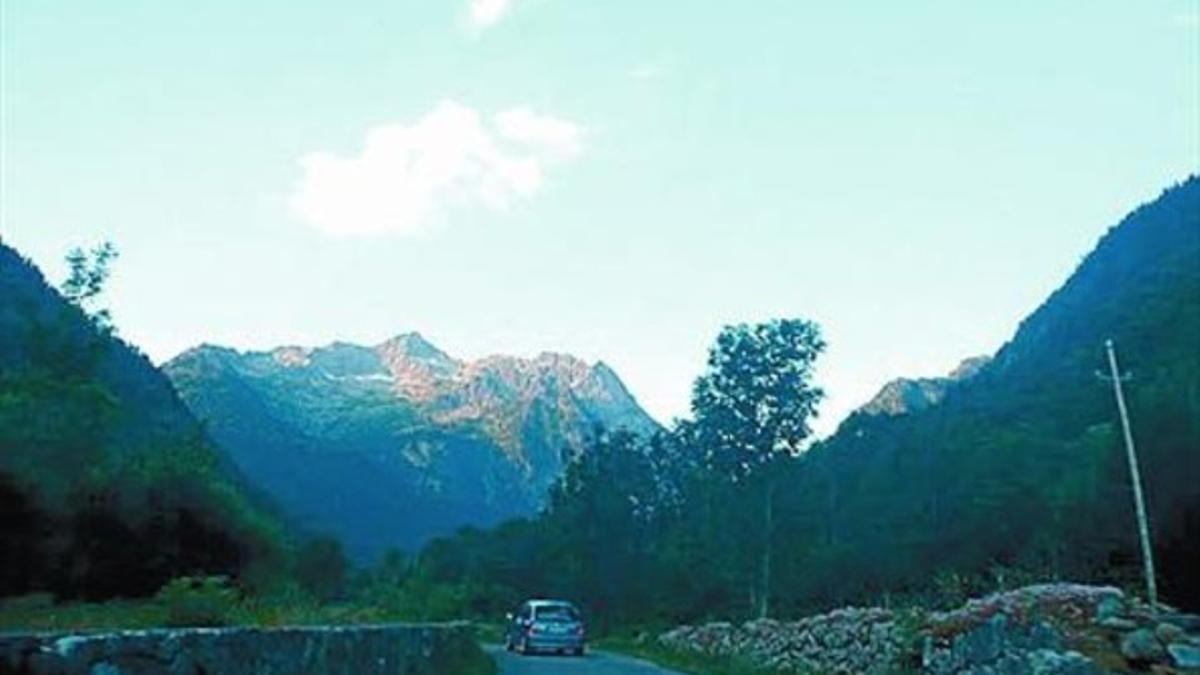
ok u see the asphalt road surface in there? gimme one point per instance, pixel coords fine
(594, 663)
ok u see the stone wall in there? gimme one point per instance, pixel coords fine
(850, 640)
(1050, 629)
(394, 649)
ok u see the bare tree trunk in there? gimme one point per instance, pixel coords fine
(764, 596)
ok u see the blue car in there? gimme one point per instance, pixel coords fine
(546, 626)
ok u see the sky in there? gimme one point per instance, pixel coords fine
(615, 180)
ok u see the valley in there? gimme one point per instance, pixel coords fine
(351, 484)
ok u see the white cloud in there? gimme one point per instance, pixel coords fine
(408, 174)
(483, 13)
(561, 137)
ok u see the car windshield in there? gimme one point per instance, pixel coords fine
(557, 613)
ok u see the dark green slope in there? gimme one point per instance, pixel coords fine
(108, 485)
(1022, 466)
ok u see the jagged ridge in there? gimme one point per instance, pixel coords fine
(412, 441)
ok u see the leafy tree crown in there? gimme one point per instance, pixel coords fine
(89, 272)
(753, 404)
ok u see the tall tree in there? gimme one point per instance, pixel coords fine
(87, 276)
(751, 411)
(321, 567)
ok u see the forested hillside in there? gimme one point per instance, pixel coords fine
(1014, 474)
(108, 486)
(1022, 466)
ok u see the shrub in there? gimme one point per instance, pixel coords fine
(199, 601)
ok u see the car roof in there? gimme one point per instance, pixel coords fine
(544, 603)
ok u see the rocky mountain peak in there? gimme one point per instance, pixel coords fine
(603, 383)
(969, 367)
(420, 370)
(904, 395)
(292, 357)
(570, 368)
(412, 345)
(209, 356)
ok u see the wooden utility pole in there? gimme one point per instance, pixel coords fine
(1135, 478)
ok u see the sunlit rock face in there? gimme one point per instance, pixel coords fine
(391, 444)
(904, 395)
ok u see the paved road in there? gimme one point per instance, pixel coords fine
(595, 663)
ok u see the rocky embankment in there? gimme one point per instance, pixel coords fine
(1059, 629)
(351, 650)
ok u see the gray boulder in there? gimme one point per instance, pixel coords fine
(1168, 633)
(1142, 646)
(1188, 622)
(1184, 655)
(1051, 662)
(1111, 607)
(1117, 623)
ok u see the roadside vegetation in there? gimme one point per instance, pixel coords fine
(470, 661)
(367, 597)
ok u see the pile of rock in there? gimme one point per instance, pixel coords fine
(1089, 629)
(1145, 638)
(1030, 630)
(850, 640)
(1049, 629)
(413, 649)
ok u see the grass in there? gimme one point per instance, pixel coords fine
(199, 605)
(39, 613)
(489, 633)
(23, 615)
(468, 659)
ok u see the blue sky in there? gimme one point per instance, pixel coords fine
(611, 179)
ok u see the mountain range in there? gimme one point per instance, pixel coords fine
(388, 445)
